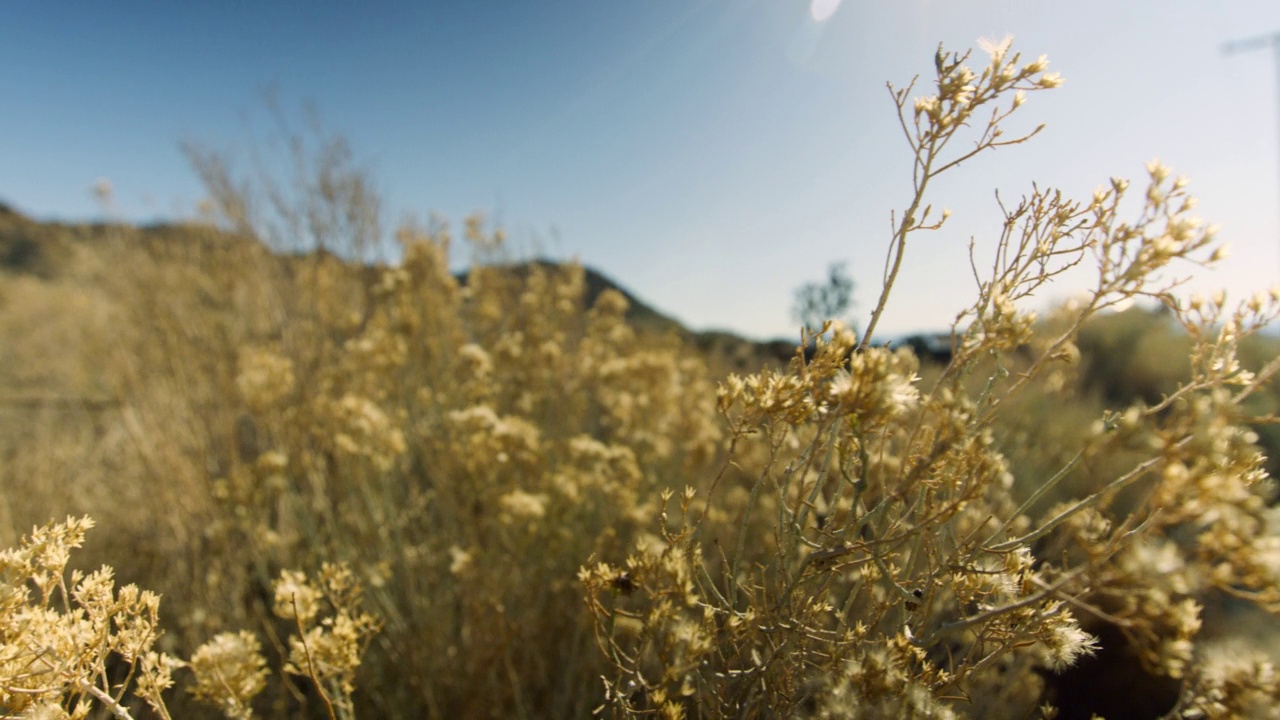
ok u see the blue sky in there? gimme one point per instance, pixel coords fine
(711, 155)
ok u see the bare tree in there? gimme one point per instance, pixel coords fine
(306, 193)
(818, 302)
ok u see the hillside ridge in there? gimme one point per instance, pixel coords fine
(45, 249)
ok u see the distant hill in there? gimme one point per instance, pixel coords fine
(46, 250)
(639, 313)
(52, 251)
(29, 247)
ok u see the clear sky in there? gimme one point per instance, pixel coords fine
(711, 155)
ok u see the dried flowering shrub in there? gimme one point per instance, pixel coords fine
(71, 649)
(461, 448)
(229, 672)
(861, 535)
(66, 643)
(536, 431)
(326, 648)
(867, 550)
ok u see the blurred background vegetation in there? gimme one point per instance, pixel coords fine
(127, 392)
(260, 390)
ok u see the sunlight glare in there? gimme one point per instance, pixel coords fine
(822, 10)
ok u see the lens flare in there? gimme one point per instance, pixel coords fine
(822, 10)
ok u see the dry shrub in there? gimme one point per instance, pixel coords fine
(379, 491)
(882, 559)
(462, 448)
